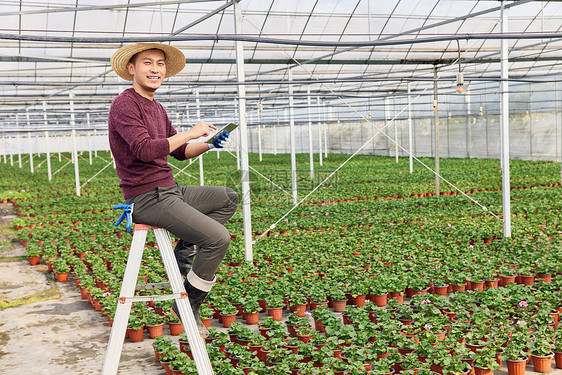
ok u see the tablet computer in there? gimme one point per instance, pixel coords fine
(229, 128)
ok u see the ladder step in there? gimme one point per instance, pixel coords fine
(164, 297)
(152, 286)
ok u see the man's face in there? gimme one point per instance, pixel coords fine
(148, 70)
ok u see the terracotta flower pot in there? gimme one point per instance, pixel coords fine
(516, 366)
(276, 313)
(357, 300)
(252, 318)
(136, 335)
(399, 296)
(459, 288)
(558, 359)
(33, 261)
(527, 279)
(477, 285)
(61, 277)
(380, 300)
(155, 331)
(339, 306)
(299, 309)
(227, 320)
(542, 364)
(506, 280)
(492, 283)
(440, 290)
(483, 371)
(175, 328)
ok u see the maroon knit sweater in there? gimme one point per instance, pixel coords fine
(138, 132)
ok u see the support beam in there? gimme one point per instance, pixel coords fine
(310, 151)
(318, 106)
(74, 146)
(504, 123)
(410, 140)
(200, 157)
(292, 140)
(436, 113)
(245, 167)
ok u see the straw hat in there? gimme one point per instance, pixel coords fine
(175, 59)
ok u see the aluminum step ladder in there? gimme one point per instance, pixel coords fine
(127, 297)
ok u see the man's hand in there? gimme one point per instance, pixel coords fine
(221, 141)
(202, 129)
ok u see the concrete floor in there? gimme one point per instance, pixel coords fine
(58, 332)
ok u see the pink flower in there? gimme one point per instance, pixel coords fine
(425, 301)
(519, 322)
(471, 247)
(523, 304)
(352, 267)
(286, 220)
(107, 294)
(427, 326)
(391, 224)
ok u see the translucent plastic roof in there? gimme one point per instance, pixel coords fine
(51, 48)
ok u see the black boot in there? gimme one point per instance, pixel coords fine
(196, 298)
(185, 252)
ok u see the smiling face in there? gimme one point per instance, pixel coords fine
(148, 69)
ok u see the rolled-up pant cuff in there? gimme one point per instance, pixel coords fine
(199, 283)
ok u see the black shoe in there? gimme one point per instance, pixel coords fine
(185, 252)
(196, 298)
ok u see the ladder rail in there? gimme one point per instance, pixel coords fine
(196, 342)
(123, 310)
(127, 297)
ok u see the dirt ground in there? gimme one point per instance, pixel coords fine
(46, 328)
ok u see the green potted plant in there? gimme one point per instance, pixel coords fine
(485, 362)
(541, 349)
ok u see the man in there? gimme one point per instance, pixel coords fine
(141, 137)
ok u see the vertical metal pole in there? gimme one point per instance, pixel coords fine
(286, 121)
(505, 127)
(30, 142)
(326, 125)
(410, 130)
(319, 130)
(559, 120)
(246, 206)
(292, 140)
(74, 146)
(89, 138)
(435, 104)
(274, 132)
(200, 157)
(47, 144)
(395, 130)
(386, 117)
(19, 148)
(237, 113)
(48, 155)
(95, 148)
(259, 135)
(311, 155)
(468, 129)
(530, 123)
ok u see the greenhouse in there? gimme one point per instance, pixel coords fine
(387, 202)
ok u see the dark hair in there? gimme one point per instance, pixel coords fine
(133, 58)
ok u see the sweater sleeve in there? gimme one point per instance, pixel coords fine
(128, 122)
(178, 153)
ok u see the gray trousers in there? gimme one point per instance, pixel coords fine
(195, 214)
